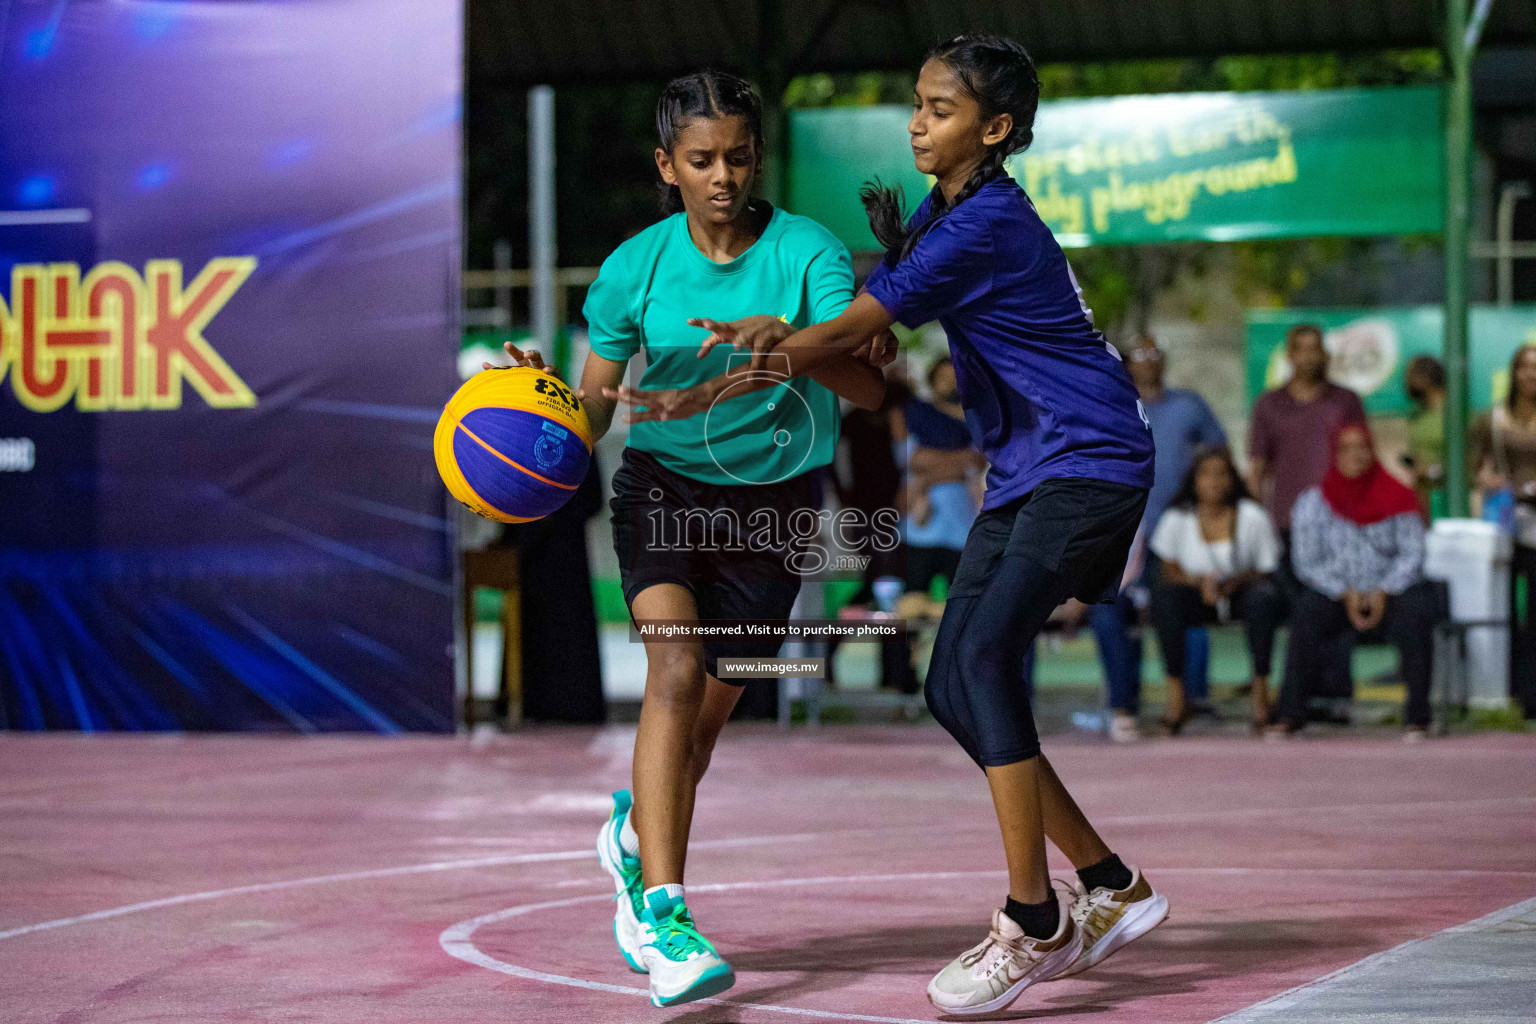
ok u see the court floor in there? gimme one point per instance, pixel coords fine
(226, 878)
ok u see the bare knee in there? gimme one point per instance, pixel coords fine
(674, 678)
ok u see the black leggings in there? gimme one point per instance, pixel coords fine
(1068, 537)
(1176, 608)
(973, 686)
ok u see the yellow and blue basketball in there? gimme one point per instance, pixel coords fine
(513, 444)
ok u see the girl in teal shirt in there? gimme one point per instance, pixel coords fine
(1070, 460)
(710, 514)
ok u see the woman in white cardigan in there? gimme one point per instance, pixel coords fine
(1218, 548)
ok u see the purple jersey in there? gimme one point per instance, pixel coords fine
(1045, 395)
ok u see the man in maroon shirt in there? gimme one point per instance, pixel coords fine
(1289, 449)
(1289, 434)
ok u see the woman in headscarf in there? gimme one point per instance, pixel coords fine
(1358, 549)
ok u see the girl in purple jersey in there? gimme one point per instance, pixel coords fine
(1070, 454)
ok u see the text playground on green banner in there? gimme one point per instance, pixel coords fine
(1133, 169)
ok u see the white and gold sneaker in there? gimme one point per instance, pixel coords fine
(1109, 920)
(990, 976)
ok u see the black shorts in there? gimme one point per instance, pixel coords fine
(669, 528)
(925, 564)
(1079, 527)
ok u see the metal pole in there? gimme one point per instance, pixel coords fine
(541, 212)
(773, 78)
(502, 254)
(1504, 236)
(1458, 173)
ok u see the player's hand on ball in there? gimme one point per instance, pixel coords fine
(530, 358)
(671, 404)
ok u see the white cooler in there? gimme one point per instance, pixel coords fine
(1473, 558)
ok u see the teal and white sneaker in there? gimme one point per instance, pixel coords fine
(625, 872)
(683, 965)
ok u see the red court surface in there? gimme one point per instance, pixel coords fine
(438, 880)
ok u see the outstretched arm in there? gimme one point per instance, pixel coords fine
(806, 351)
(855, 376)
(853, 379)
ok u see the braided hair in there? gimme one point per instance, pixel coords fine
(997, 73)
(703, 94)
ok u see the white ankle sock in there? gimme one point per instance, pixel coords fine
(673, 890)
(629, 842)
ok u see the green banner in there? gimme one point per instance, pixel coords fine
(1213, 166)
(1370, 348)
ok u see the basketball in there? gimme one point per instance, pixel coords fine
(513, 444)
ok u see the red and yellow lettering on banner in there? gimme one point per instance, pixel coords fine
(117, 340)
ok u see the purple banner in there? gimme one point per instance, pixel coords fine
(229, 251)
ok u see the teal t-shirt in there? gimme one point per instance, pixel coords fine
(645, 293)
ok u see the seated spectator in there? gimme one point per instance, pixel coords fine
(867, 478)
(941, 462)
(1357, 545)
(944, 473)
(1503, 455)
(1218, 549)
(1182, 423)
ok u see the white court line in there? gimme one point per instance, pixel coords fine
(1358, 810)
(354, 876)
(1303, 992)
(527, 858)
(458, 940)
(291, 883)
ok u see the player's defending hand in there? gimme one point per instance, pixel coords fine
(671, 404)
(532, 359)
(755, 334)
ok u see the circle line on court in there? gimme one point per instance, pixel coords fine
(403, 869)
(457, 940)
(560, 855)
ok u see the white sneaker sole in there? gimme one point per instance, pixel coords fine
(622, 924)
(1136, 922)
(710, 982)
(1051, 967)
